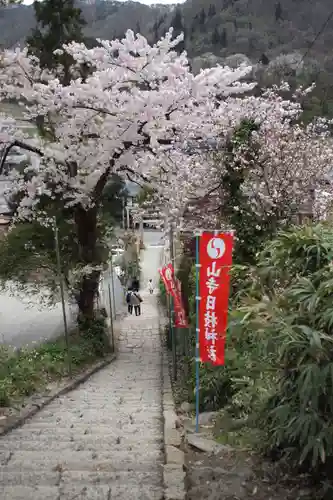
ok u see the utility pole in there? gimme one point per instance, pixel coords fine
(111, 317)
(111, 270)
(62, 293)
(128, 216)
(172, 312)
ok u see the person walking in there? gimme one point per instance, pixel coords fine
(136, 302)
(135, 285)
(129, 301)
(150, 287)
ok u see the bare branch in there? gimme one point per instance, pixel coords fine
(21, 145)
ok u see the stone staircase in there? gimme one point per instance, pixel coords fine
(102, 441)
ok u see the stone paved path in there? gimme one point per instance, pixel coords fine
(104, 440)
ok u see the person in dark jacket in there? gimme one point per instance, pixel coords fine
(129, 301)
(136, 302)
(135, 285)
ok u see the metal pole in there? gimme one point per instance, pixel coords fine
(111, 317)
(173, 330)
(197, 351)
(62, 293)
(123, 213)
(112, 283)
(128, 217)
(141, 232)
(170, 324)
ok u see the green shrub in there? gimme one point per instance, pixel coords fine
(300, 251)
(95, 333)
(162, 293)
(292, 322)
(25, 371)
(215, 387)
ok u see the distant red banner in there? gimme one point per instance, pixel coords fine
(180, 316)
(173, 288)
(215, 259)
(167, 274)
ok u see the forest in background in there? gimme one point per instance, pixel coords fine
(277, 37)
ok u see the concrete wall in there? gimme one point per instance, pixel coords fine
(119, 295)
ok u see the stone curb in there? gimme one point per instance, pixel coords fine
(40, 403)
(173, 470)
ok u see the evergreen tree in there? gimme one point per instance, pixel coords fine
(211, 10)
(155, 32)
(224, 38)
(58, 22)
(219, 39)
(192, 32)
(202, 17)
(278, 12)
(216, 37)
(178, 26)
(138, 28)
(156, 28)
(264, 60)
(177, 22)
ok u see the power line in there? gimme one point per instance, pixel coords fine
(320, 32)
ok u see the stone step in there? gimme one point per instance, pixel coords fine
(32, 493)
(79, 441)
(84, 432)
(65, 422)
(99, 420)
(117, 411)
(83, 459)
(28, 477)
(103, 473)
(118, 491)
(126, 399)
(121, 402)
(93, 424)
(130, 477)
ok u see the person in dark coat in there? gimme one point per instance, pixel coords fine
(135, 285)
(129, 301)
(136, 302)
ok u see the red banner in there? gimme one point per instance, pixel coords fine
(180, 316)
(215, 259)
(168, 277)
(173, 288)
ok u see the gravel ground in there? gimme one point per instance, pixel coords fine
(238, 475)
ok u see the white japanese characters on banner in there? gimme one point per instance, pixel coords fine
(215, 255)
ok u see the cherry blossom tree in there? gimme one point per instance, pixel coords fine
(286, 167)
(261, 176)
(137, 104)
(139, 112)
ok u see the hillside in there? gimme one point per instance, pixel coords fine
(105, 19)
(222, 27)
(277, 34)
(254, 27)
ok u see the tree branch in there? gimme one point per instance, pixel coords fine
(21, 145)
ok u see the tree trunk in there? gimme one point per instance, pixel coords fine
(87, 232)
(86, 296)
